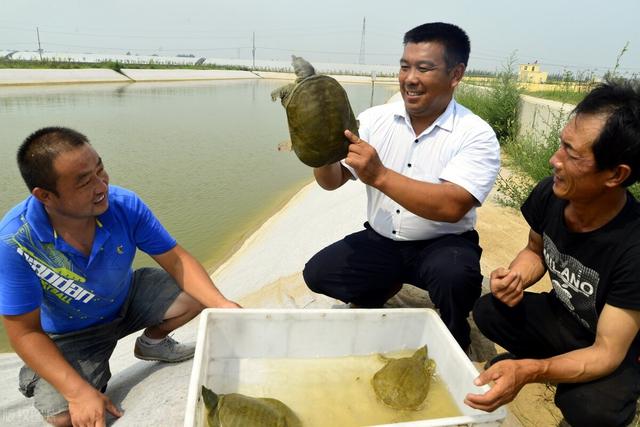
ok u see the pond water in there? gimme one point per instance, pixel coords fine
(203, 155)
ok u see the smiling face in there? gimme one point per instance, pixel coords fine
(425, 83)
(575, 175)
(82, 185)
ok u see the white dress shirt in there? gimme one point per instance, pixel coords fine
(458, 147)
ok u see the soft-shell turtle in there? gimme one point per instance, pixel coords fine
(238, 410)
(404, 383)
(318, 112)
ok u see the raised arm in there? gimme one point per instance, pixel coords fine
(86, 404)
(615, 332)
(508, 284)
(192, 278)
(331, 176)
(444, 201)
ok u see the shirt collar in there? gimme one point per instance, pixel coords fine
(444, 121)
(38, 219)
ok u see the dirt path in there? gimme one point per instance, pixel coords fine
(503, 233)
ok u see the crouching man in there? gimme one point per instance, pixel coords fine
(67, 288)
(585, 231)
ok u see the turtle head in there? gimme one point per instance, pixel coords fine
(421, 354)
(301, 67)
(210, 398)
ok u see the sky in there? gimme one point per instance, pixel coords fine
(578, 36)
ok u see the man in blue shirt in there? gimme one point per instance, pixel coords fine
(67, 288)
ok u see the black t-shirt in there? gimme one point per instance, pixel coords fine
(588, 269)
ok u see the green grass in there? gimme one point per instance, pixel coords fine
(527, 157)
(497, 107)
(566, 97)
(498, 104)
(113, 65)
(472, 97)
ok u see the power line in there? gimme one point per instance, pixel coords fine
(480, 55)
(195, 33)
(146, 48)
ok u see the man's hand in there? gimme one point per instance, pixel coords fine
(508, 378)
(507, 286)
(228, 304)
(88, 408)
(364, 159)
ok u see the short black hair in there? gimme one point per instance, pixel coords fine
(40, 149)
(619, 140)
(455, 41)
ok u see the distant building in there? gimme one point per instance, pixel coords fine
(530, 73)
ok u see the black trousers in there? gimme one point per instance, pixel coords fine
(367, 269)
(540, 327)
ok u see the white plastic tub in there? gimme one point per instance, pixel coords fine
(303, 333)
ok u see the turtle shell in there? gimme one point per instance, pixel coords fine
(238, 410)
(404, 383)
(318, 112)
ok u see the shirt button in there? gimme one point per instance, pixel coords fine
(393, 232)
(397, 210)
(416, 141)
(409, 164)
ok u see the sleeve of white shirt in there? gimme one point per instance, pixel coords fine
(475, 167)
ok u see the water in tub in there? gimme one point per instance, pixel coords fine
(326, 391)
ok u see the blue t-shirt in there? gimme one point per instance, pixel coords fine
(39, 269)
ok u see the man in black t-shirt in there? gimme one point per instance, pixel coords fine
(585, 231)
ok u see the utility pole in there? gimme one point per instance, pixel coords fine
(39, 47)
(373, 87)
(253, 50)
(361, 59)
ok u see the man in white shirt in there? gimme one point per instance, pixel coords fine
(428, 162)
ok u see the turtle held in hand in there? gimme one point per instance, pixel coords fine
(404, 383)
(318, 112)
(238, 410)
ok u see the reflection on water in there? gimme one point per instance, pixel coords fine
(203, 155)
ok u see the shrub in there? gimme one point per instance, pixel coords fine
(527, 158)
(504, 106)
(498, 104)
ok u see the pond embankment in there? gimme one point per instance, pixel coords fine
(30, 76)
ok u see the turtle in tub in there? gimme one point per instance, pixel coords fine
(404, 383)
(238, 410)
(318, 112)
